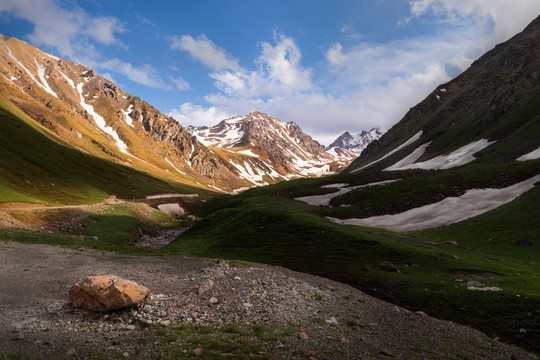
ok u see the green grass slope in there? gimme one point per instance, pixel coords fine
(267, 225)
(38, 167)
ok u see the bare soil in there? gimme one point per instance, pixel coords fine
(340, 321)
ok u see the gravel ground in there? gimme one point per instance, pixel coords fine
(340, 321)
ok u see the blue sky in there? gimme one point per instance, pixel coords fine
(330, 66)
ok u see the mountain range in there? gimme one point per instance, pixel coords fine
(96, 117)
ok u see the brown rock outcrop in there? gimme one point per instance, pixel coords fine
(106, 293)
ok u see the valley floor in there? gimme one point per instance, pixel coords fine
(259, 313)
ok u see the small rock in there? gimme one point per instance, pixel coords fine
(130, 327)
(126, 354)
(331, 321)
(205, 286)
(451, 242)
(197, 352)
(19, 336)
(302, 336)
(344, 340)
(388, 266)
(331, 288)
(364, 268)
(166, 323)
(386, 352)
(237, 278)
(420, 313)
(213, 300)
(70, 352)
(194, 315)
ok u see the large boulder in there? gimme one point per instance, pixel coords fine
(106, 293)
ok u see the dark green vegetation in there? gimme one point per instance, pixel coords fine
(37, 167)
(267, 225)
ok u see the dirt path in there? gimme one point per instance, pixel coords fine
(342, 322)
(111, 200)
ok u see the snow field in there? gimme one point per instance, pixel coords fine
(324, 200)
(100, 121)
(458, 157)
(447, 211)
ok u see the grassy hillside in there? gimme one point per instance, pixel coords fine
(267, 225)
(449, 127)
(38, 167)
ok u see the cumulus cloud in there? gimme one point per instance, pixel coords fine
(379, 84)
(205, 51)
(145, 75)
(181, 84)
(70, 32)
(508, 18)
(188, 114)
(335, 56)
(282, 64)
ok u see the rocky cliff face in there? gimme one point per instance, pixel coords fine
(92, 114)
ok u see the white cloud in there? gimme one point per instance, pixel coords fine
(190, 114)
(282, 63)
(181, 84)
(335, 56)
(508, 17)
(283, 88)
(145, 75)
(205, 51)
(70, 32)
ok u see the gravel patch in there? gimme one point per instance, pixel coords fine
(339, 321)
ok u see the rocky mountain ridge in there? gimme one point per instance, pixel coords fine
(272, 150)
(357, 142)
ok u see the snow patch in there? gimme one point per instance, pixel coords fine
(334, 186)
(52, 56)
(41, 73)
(405, 144)
(70, 82)
(100, 121)
(175, 168)
(533, 155)
(409, 159)
(239, 190)
(458, 157)
(128, 119)
(324, 200)
(47, 89)
(13, 78)
(248, 153)
(447, 211)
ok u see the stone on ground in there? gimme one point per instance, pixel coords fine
(106, 293)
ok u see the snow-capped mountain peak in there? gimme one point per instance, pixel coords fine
(266, 149)
(356, 143)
